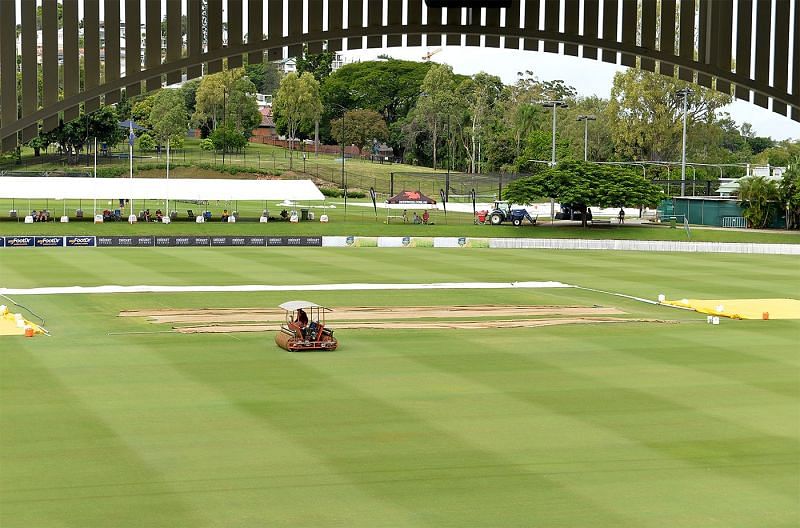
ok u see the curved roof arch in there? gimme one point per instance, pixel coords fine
(703, 41)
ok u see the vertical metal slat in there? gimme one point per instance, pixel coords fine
(235, 15)
(395, 20)
(432, 38)
(30, 85)
(571, 19)
(70, 48)
(214, 33)
(335, 18)
(744, 29)
(111, 24)
(721, 32)
(703, 45)
(531, 24)
(295, 27)
(493, 26)
(414, 19)
(629, 8)
(255, 29)
(49, 61)
(763, 20)
(609, 29)
(133, 44)
(275, 27)
(667, 42)
(315, 10)
(796, 66)
(374, 22)
(8, 69)
(512, 22)
(355, 17)
(174, 42)
(686, 37)
(551, 19)
(781, 58)
(648, 33)
(153, 42)
(591, 13)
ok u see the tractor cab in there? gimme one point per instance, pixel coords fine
(304, 328)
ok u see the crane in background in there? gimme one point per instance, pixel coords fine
(427, 56)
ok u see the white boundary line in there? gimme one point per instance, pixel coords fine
(281, 287)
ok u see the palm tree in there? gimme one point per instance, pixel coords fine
(755, 196)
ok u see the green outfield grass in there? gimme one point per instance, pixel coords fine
(629, 425)
(360, 220)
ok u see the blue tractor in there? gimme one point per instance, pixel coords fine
(502, 212)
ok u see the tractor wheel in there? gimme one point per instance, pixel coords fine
(496, 219)
(517, 222)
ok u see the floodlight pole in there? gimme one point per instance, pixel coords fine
(95, 178)
(554, 104)
(684, 93)
(167, 208)
(586, 119)
(130, 156)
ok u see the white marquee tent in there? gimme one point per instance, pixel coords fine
(157, 189)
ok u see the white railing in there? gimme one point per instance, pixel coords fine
(734, 221)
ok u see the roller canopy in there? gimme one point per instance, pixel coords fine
(155, 189)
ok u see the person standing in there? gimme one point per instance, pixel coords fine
(621, 215)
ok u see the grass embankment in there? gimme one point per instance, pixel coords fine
(624, 425)
(258, 159)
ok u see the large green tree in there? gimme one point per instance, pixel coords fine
(74, 135)
(359, 127)
(437, 103)
(585, 184)
(228, 96)
(168, 116)
(297, 100)
(645, 115)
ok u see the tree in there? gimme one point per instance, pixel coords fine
(142, 109)
(585, 184)
(646, 118)
(266, 76)
(228, 96)
(360, 128)
(320, 65)
(757, 196)
(480, 95)
(789, 194)
(73, 135)
(228, 139)
(297, 100)
(437, 101)
(168, 115)
(146, 143)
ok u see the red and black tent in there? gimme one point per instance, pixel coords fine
(411, 198)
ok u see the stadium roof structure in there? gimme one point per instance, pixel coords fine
(157, 188)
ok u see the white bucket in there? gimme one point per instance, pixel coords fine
(661, 297)
(709, 319)
(715, 320)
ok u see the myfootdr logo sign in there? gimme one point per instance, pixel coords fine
(19, 241)
(81, 241)
(49, 241)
